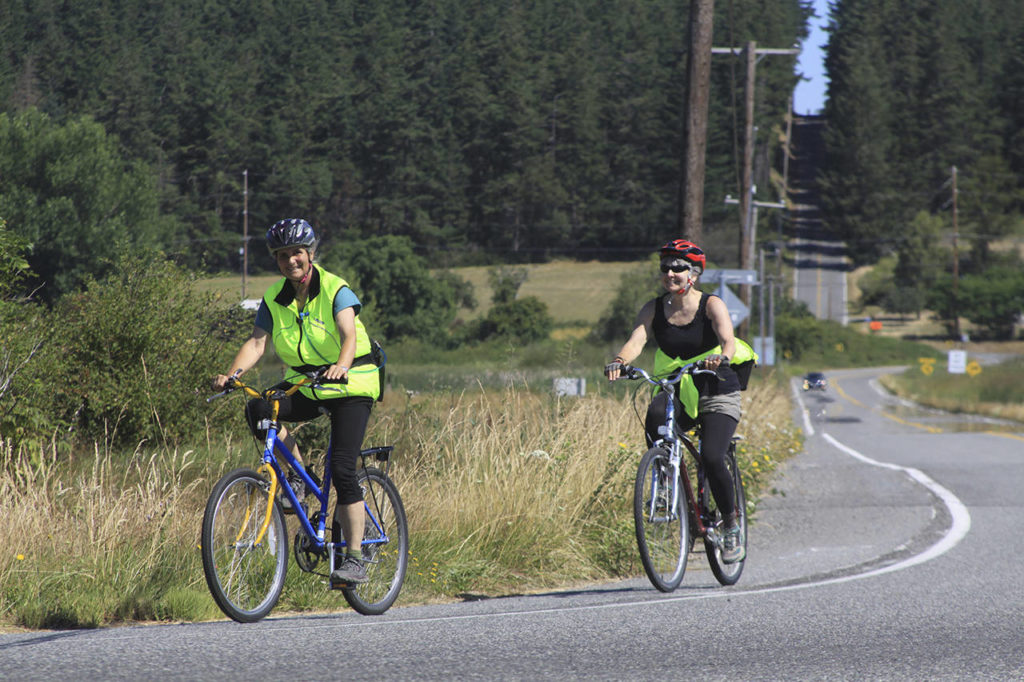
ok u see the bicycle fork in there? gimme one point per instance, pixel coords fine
(664, 502)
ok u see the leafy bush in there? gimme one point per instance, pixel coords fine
(800, 337)
(636, 287)
(505, 282)
(400, 296)
(130, 358)
(523, 320)
(13, 266)
(994, 299)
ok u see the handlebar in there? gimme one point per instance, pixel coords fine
(313, 378)
(631, 372)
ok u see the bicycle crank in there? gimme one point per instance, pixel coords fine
(306, 555)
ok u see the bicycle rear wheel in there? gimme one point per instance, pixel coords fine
(385, 561)
(244, 578)
(662, 534)
(728, 574)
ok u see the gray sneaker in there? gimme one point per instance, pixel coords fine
(351, 571)
(732, 547)
(299, 487)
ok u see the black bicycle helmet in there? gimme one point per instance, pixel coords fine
(290, 232)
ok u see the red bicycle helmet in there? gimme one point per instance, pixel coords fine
(687, 250)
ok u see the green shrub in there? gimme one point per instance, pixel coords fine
(636, 287)
(523, 320)
(130, 358)
(400, 296)
(812, 342)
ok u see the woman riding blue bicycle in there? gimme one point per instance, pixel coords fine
(689, 325)
(312, 317)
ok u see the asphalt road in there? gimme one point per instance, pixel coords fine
(819, 277)
(890, 551)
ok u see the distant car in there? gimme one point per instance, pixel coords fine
(815, 381)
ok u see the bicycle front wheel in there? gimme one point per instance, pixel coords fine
(662, 533)
(245, 577)
(385, 545)
(728, 574)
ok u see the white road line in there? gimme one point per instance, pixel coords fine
(808, 428)
(959, 529)
(957, 532)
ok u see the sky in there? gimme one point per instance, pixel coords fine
(809, 96)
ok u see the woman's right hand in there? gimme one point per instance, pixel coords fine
(220, 382)
(613, 369)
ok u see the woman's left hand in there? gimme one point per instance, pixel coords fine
(713, 361)
(336, 372)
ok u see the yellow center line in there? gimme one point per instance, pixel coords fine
(817, 292)
(1005, 435)
(845, 395)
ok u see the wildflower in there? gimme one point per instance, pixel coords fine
(20, 557)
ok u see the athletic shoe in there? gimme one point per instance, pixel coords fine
(299, 487)
(350, 572)
(732, 547)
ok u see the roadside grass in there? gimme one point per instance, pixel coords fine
(507, 489)
(997, 391)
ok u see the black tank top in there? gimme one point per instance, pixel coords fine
(694, 338)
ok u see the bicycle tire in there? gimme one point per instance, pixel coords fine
(728, 574)
(245, 579)
(663, 537)
(385, 563)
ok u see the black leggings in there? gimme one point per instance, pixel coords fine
(716, 434)
(349, 417)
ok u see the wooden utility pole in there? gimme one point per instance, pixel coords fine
(746, 178)
(956, 266)
(245, 228)
(752, 54)
(787, 149)
(695, 121)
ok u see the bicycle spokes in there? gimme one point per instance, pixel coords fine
(663, 493)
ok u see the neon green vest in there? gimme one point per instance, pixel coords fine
(688, 395)
(310, 338)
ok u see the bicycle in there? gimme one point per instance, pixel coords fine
(244, 537)
(663, 537)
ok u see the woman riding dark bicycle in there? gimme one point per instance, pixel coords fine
(689, 325)
(312, 317)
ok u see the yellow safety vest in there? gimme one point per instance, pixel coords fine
(307, 339)
(687, 390)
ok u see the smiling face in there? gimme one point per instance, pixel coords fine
(294, 262)
(677, 276)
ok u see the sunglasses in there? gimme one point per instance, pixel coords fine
(675, 268)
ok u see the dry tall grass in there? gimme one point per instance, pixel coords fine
(506, 491)
(108, 541)
(513, 490)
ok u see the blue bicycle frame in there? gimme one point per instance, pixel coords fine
(318, 534)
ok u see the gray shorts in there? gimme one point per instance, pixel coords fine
(728, 404)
